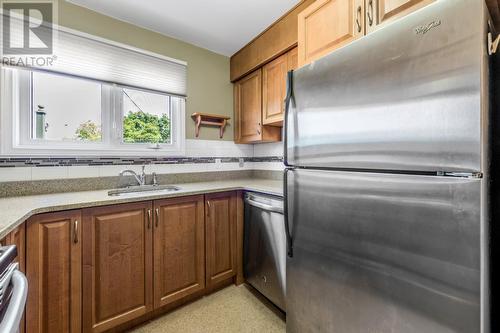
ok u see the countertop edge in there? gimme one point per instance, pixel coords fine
(34, 210)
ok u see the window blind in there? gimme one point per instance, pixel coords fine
(95, 58)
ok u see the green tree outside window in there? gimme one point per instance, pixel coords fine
(141, 127)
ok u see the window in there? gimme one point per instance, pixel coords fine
(99, 98)
(145, 117)
(78, 116)
(65, 108)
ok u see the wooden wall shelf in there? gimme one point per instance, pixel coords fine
(209, 120)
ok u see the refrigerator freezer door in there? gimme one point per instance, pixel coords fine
(383, 253)
(406, 97)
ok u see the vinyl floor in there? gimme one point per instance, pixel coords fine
(232, 309)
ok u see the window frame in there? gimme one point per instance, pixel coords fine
(15, 123)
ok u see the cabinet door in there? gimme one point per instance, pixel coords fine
(274, 90)
(248, 111)
(179, 248)
(117, 271)
(327, 25)
(248, 107)
(381, 11)
(220, 226)
(293, 59)
(17, 237)
(274, 87)
(53, 269)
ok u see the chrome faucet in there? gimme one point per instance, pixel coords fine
(141, 179)
(155, 180)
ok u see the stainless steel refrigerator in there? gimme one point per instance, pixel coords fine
(387, 181)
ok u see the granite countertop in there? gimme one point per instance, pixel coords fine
(15, 210)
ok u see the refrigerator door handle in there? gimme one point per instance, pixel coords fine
(288, 98)
(289, 246)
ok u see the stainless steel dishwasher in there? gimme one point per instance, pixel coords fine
(265, 246)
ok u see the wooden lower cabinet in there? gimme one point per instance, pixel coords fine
(53, 269)
(117, 264)
(179, 248)
(103, 268)
(220, 228)
(17, 237)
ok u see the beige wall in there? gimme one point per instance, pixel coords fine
(208, 89)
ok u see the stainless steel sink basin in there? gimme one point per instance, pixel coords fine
(143, 188)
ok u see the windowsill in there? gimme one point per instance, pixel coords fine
(104, 152)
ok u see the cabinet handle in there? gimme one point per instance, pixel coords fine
(258, 129)
(75, 231)
(157, 212)
(209, 207)
(358, 18)
(370, 13)
(149, 218)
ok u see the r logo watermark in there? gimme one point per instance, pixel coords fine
(28, 32)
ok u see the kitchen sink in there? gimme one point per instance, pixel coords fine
(143, 188)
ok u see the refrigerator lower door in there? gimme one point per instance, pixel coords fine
(383, 253)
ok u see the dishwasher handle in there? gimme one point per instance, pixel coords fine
(14, 312)
(270, 208)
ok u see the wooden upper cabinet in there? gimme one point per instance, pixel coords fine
(379, 12)
(179, 248)
(220, 220)
(275, 40)
(274, 87)
(293, 58)
(53, 270)
(274, 90)
(248, 111)
(117, 264)
(327, 25)
(248, 106)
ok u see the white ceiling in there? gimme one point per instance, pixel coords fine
(222, 26)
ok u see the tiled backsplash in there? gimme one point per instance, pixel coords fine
(89, 161)
(201, 156)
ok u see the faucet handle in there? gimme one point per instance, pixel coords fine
(155, 181)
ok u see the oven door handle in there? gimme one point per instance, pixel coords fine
(14, 312)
